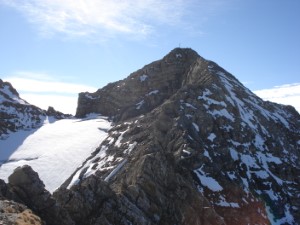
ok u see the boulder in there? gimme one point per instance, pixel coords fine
(26, 184)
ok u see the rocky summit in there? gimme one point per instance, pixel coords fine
(189, 145)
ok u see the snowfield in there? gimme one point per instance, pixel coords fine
(55, 150)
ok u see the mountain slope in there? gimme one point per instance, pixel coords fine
(189, 144)
(186, 124)
(55, 150)
(16, 113)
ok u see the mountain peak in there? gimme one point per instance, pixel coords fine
(145, 88)
(8, 91)
(189, 145)
(182, 52)
(192, 114)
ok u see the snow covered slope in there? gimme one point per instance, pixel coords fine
(55, 150)
(16, 113)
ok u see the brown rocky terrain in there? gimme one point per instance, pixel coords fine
(12, 213)
(190, 145)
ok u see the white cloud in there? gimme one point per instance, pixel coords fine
(288, 94)
(106, 18)
(65, 104)
(43, 90)
(84, 18)
(44, 83)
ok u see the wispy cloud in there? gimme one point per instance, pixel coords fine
(104, 19)
(43, 83)
(85, 18)
(288, 94)
(43, 90)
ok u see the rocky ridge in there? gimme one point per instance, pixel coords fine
(186, 116)
(17, 114)
(190, 145)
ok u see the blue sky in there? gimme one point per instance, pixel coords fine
(53, 49)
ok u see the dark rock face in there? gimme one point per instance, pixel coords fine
(16, 113)
(56, 114)
(190, 141)
(140, 200)
(143, 90)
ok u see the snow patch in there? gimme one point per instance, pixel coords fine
(222, 202)
(130, 148)
(143, 77)
(282, 120)
(249, 161)
(120, 138)
(211, 137)
(186, 152)
(287, 219)
(140, 104)
(206, 154)
(269, 115)
(115, 171)
(208, 181)
(245, 183)
(272, 195)
(152, 93)
(231, 175)
(196, 127)
(210, 101)
(245, 113)
(76, 178)
(190, 105)
(234, 154)
(259, 142)
(223, 113)
(90, 97)
(264, 159)
(189, 116)
(56, 149)
(261, 174)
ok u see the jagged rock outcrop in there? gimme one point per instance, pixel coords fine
(57, 114)
(25, 187)
(188, 137)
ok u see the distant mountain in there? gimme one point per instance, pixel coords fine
(17, 114)
(189, 145)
